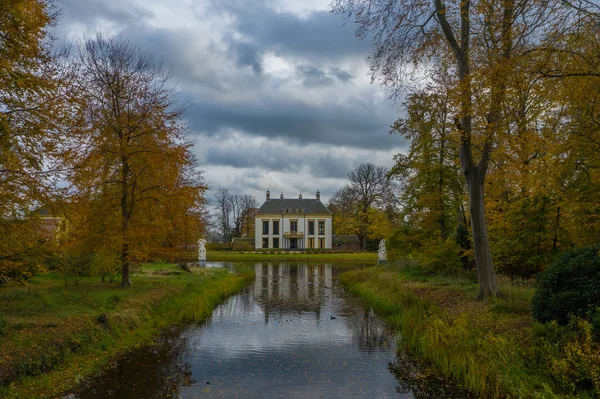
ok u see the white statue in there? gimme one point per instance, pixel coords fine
(382, 253)
(202, 251)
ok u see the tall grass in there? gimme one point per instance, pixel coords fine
(488, 363)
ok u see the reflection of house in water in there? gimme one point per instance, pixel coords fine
(292, 288)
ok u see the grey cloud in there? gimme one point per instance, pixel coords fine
(222, 76)
(319, 35)
(313, 77)
(358, 122)
(274, 157)
(89, 11)
(342, 75)
(246, 54)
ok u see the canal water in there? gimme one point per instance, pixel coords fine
(294, 333)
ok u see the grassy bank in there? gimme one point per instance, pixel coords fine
(490, 348)
(367, 257)
(54, 337)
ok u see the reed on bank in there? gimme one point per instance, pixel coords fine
(493, 348)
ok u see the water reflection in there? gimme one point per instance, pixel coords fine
(294, 333)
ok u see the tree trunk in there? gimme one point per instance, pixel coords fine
(442, 216)
(364, 228)
(488, 285)
(125, 281)
(555, 239)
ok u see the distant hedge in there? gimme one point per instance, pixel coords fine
(226, 246)
(570, 286)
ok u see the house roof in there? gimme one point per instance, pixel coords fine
(307, 206)
(345, 239)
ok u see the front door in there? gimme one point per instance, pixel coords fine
(293, 243)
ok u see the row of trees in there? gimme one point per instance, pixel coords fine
(96, 135)
(366, 206)
(234, 216)
(522, 82)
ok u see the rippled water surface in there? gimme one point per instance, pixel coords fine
(294, 333)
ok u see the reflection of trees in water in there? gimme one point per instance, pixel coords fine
(371, 332)
(161, 373)
(416, 379)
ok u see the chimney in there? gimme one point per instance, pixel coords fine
(318, 195)
(281, 196)
(268, 195)
(300, 196)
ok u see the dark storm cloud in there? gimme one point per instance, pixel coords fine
(360, 123)
(323, 163)
(223, 63)
(319, 35)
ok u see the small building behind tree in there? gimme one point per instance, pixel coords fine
(350, 242)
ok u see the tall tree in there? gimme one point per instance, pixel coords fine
(487, 40)
(432, 187)
(249, 209)
(34, 111)
(133, 148)
(224, 209)
(369, 186)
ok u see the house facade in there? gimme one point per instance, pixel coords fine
(293, 223)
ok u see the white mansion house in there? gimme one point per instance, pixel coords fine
(293, 223)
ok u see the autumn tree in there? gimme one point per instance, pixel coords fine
(362, 206)
(131, 169)
(249, 209)
(345, 212)
(486, 41)
(35, 117)
(432, 217)
(369, 186)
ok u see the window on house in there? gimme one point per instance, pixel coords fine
(321, 243)
(265, 242)
(294, 225)
(321, 228)
(265, 227)
(275, 227)
(311, 243)
(275, 242)
(311, 228)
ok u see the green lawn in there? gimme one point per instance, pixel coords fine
(53, 338)
(359, 257)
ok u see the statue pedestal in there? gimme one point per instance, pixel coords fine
(202, 263)
(382, 262)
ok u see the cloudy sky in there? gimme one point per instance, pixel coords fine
(278, 90)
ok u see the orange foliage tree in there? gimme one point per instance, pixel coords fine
(135, 185)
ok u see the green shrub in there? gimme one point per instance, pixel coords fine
(14, 273)
(569, 356)
(105, 264)
(213, 246)
(441, 256)
(570, 286)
